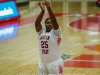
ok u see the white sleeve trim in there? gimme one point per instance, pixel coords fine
(58, 32)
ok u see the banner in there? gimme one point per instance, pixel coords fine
(8, 11)
(9, 29)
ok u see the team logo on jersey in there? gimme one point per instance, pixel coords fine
(58, 41)
(44, 44)
(60, 69)
(45, 37)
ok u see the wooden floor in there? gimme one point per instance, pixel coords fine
(19, 54)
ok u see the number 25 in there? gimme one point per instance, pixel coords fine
(44, 44)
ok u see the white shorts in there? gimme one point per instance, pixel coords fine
(55, 67)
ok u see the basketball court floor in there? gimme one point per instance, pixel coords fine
(80, 46)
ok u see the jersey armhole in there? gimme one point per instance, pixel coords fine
(57, 32)
(39, 33)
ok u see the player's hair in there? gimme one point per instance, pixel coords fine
(46, 20)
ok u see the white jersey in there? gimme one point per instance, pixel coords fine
(49, 43)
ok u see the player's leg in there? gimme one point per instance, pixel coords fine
(56, 67)
(42, 68)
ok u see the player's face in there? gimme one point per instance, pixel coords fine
(48, 25)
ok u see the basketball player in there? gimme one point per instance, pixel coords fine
(49, 42)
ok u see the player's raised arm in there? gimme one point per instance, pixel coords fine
(52, 16)
(38, 26)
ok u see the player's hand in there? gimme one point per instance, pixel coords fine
(41, 6)
(47, 4)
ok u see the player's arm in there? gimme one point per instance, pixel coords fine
(54, 22)
(38, 25)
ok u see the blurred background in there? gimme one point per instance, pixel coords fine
(80, 46)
